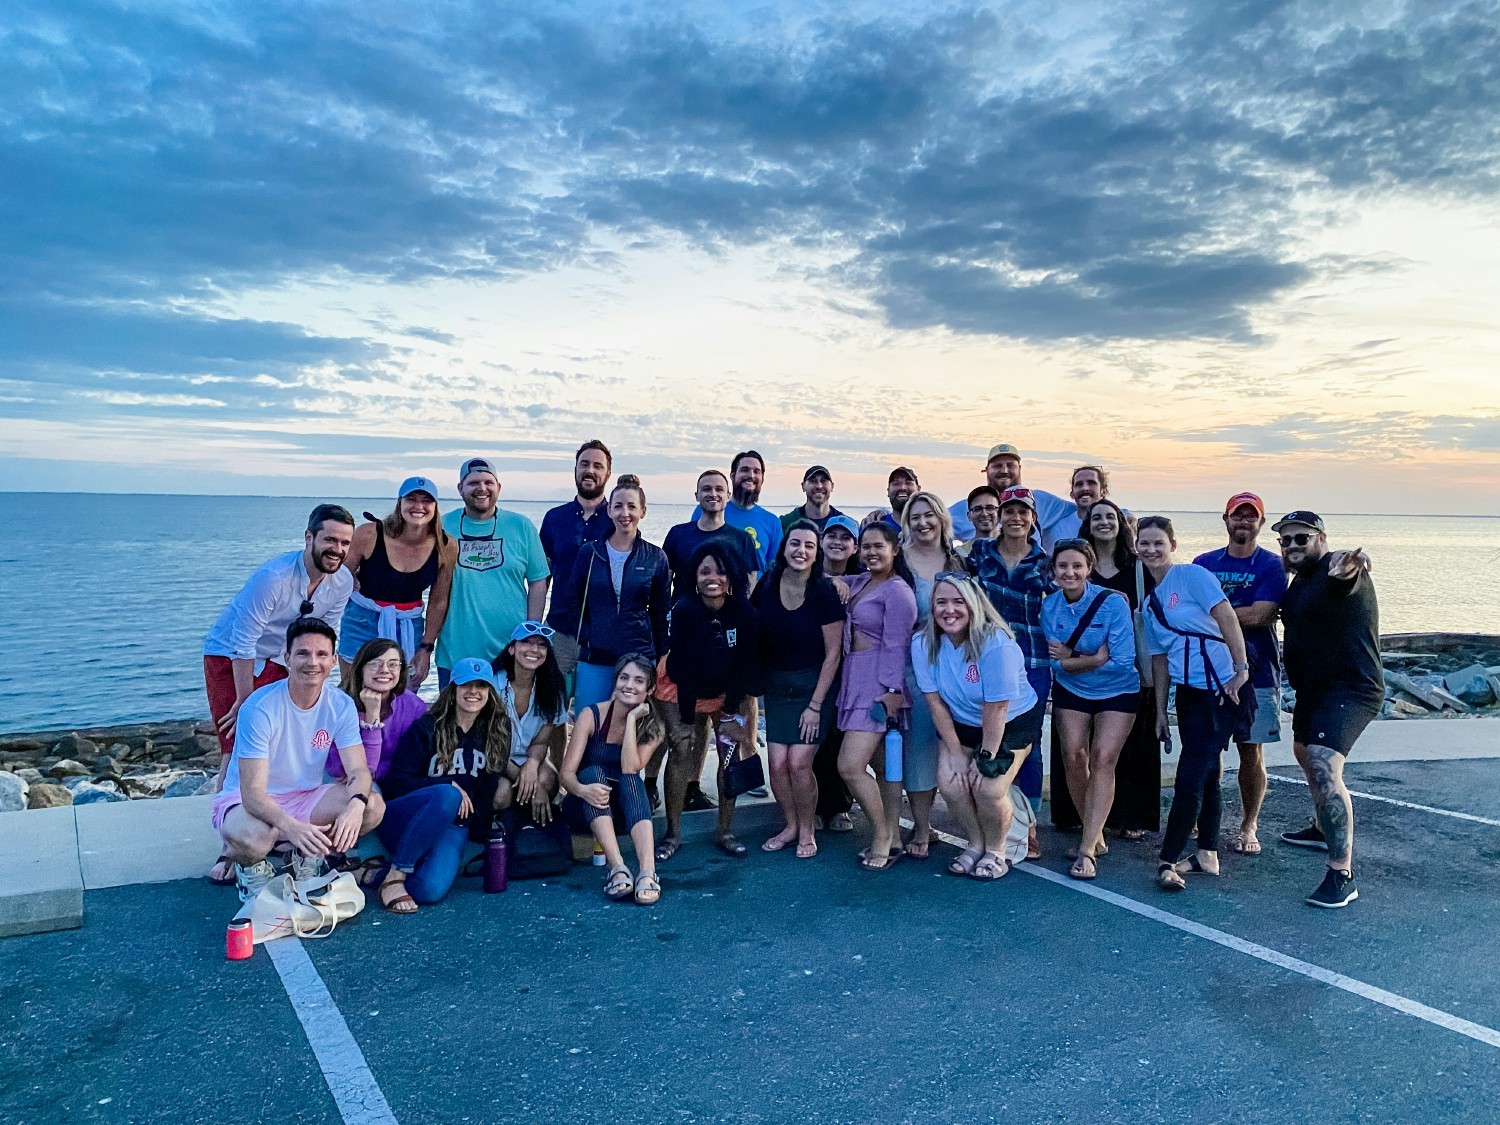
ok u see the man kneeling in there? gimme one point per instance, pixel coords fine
(274, 789)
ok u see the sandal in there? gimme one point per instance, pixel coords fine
(221, 874)
(372, 872)
(1080, 872)
(841, 822)
(1033, 846)
(879, 863)
(730, 846)
(1191, 866)
(1074, 853)
(807, 850)
(618, 884)
(1168, 879)
(990, 867)
(959, 867)
(778, 841)
(647, 889)
(1132, 834)
(912, 853)
(401, 903)
(669, 846)
(1249, 844)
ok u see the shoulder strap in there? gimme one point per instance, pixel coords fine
(1210, 677)
(1087, 619)
(1140, 583)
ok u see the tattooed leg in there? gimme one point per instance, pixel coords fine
(1335, 812)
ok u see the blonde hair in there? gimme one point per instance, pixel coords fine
(984, 619)
(952, 559)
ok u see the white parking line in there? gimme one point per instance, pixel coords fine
(1392, 801)
(354, 1089)
(1392, 1000)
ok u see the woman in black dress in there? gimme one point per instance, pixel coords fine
(1137, 807)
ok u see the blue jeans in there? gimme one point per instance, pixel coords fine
(423, 840)
(593, 683)
(1029, 777)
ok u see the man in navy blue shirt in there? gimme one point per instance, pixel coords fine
(707, 525)
(565, 529)
(1254, 581)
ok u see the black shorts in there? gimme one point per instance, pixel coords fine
(1333, 720)
(1020, 731)
(1065, 700)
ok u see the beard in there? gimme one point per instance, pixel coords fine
(590, 492)
(329, 562)
(746, 496)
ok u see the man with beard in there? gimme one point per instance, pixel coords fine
(1332, 648)
(900, 487)
(244, 649)
(501, 578)
(565, 529)
(1002, 471)
(1088, 484)
(1254, 581)
(817, 486)
(747, 474)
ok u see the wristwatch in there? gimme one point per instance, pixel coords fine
(1242, 667)
(360, 797)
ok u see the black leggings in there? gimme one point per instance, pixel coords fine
(1205, 722)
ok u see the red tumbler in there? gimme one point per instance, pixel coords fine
(239, 940)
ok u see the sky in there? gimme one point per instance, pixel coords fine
(312, 247)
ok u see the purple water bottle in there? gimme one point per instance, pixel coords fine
(893, 763)
(494, 863)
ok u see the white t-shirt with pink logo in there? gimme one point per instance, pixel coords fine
(999, 675)
(295, 742)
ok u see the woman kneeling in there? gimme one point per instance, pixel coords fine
(988, 717)
(601, 773)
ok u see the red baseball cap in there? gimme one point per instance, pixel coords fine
(1239, 499)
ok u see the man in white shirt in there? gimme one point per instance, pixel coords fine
(1002, 470)
(243, 650)
(274, 790)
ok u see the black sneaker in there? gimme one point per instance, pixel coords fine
(1336, 890)
(653, 793)
(697, 800)
(1309, 837)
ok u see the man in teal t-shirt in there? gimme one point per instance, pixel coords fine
(501, 577)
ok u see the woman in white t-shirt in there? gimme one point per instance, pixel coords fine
(973, 677)
(1195, 643)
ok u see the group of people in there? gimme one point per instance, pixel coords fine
(932, 634)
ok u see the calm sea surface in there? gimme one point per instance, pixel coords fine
(106, 599)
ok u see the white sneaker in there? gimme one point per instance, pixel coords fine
(253, 879)
(305, 867)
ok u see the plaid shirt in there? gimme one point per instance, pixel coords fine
(1017, 594)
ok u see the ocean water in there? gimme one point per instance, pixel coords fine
(106, 599)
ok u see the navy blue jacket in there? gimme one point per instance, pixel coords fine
(635, 619)
(564, 531)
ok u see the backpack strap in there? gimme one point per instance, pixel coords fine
(1210, 677)
(1087, 619)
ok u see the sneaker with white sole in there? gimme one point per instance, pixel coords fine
(305, 867)
(252, 880)
(1337, 889)
(1309, 837)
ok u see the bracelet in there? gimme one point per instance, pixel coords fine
(379, 724)
(360, 797)
(1241, 667)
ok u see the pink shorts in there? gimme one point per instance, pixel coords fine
(297, 804)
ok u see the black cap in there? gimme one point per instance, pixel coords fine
(902, 471)
(816, 471)
(1309, 519)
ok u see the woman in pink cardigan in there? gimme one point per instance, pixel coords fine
(882, 612)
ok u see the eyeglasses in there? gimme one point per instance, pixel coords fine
(1300, 539)
(984, 509)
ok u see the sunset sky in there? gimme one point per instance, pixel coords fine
(310, 248)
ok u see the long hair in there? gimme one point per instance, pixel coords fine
(815, 577)
(354, 679)
(984, 619)
(549, 691)
(445, 730)
(951, 559)
(901, 569)
(649, 727)
(395, 523)
(730, 567)
(1124, 552)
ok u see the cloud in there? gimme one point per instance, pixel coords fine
(1387, 435)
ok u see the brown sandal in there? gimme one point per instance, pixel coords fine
(402, 903)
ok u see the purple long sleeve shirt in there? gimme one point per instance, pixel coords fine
(380, 744)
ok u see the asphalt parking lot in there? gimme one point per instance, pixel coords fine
(772, 989)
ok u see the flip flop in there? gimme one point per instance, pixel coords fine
(869, 864)
(806, 851)
(1249, 844)
(1085, 875)
(1168, 879)
(1193, 867)
(913, 855)
(1073, 853)
(669, 846)
(227, 865)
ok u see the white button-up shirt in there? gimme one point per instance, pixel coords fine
(253, 626)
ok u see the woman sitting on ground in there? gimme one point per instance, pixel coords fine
(377, 683)
(713, 665)
(1196, 643)
(988, 718)
(877, 633)
(601, 773)
(394, 562)
(800, 619)
(440, 788)
(535, 694)
(1095, 688)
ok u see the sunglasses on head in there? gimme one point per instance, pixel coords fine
(535, 629)
(1298, 539)
(953, 576)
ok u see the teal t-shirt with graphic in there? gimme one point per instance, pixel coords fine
(496, 559)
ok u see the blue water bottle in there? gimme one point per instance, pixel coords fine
(893, 764)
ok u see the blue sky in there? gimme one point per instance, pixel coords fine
(307, 247)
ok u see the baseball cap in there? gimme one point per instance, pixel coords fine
(817, 470)
(1240, 499)
(843, 521)
(1018, 496)
(471, 670)
(1004, 449)
(476, 465)
(418, 484)
(902, 471)
(1307, 519)
(528, 629)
